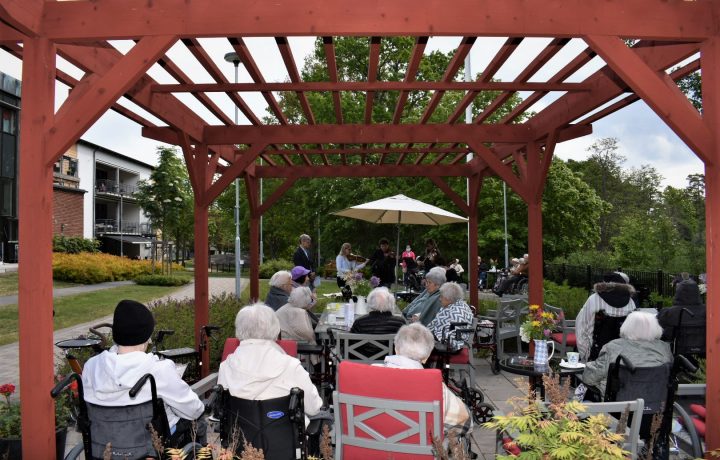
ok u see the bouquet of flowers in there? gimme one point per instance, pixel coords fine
(538, 325)
(359, 285)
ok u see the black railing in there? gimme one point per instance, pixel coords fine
(657, 282)
(113, 188)
(129, 227)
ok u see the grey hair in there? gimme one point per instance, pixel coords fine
(641, 326)
(452, 292)
(304, 237)
(342, 248)
(381, 299)
(257, 321)
(300, 297)
(280, 278)
(436, 275)
(414, 341)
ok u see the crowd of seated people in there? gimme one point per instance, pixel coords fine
(380, 318)
(520, 269)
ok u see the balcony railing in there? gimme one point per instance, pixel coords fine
(126, 227)
(113, 188)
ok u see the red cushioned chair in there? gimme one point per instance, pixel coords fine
(290, 347)
(383, 412)
(564, 335)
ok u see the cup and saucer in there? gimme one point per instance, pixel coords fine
(573, 361)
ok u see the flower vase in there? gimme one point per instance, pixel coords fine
(360, 306)
(540, 352)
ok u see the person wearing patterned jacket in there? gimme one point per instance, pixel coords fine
(454, 310)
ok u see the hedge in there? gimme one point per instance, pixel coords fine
(162, 280)
(91, 268)
(270, 267)
(74, 244)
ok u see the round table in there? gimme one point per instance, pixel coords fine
(521, 365)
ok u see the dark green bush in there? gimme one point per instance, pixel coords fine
(179, 315)
(162, 280)
(269, 267)
(570, 299)
(74, 244)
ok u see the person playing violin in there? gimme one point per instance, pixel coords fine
(346, 262)
(383, 263)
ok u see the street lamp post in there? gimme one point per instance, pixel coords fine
(235, 59)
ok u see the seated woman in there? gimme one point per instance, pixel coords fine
(613, 296)
(413, 345)
(280, 287)
(259, 369)
(108, 377)
(639, 342)
(295, 323)
(379, 320)
(517, 272)
(427, 304)
(687, 295)
(454, 310)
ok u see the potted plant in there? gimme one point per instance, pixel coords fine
(10, 428)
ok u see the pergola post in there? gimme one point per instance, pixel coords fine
(711, 113)
(474, 185)
(35, 299)
(535, 251)
(252, 187)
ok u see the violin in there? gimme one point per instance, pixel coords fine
(356, 258)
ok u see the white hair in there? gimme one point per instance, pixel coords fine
(414, 341)
(304, 237)
(640, 325)
(300, 297)
(280, 278)
(381, 299)
(436, 275)
(257, 321)
(452, 292)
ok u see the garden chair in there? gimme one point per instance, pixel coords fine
(507, 319)
(385, 413)
(365, 348)
(231, 343)
(564, 334)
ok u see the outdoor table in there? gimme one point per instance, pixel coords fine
(521, 365)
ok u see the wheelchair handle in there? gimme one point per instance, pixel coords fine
(161, 334)
(685, 364)
(626, 361)
(64, 383)
(453, 325)
(140, 383)
(297, 409)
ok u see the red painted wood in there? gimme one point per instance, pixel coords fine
(475, 182)
(23, 15)
(539, 18)
(450, 193)
(202, 293)
(368, 170)
(103, 93)
(410, 75)
(374, 59)
(504, 171)
(329, 49)
(251, 185)
(35, 300)
(657, 90)
(535, 251)
(711, 108)
(276, 195)
(234, 171)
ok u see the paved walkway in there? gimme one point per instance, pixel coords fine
(74, 290)
(9, 357)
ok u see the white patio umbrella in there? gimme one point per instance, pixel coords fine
(400, 209)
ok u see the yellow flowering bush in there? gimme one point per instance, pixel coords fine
(538, 325)
(91, 268)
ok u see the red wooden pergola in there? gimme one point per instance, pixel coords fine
(673, 39)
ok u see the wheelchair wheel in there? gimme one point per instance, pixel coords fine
(685, 436)
(483, 412)
(522, 286)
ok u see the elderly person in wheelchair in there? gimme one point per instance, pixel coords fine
(639, 343)
(427, 304)
(413, 344)
(108, 377)
(454, 310)
(259, 369)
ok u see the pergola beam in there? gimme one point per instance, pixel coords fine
(366, 170)
(129, 19)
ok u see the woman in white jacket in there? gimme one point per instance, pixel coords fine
(259, 369)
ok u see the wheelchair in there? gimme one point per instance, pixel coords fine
(277, 425)
(126, 432)
(606, 328)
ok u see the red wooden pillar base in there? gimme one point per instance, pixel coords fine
(202, 297)
(535, 252)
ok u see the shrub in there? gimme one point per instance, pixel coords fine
(570, 299)
(161, 280)
(74, 245)
(179, 315)
(269, 267)
(91, 268)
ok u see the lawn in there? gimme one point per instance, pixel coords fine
(82, 308)
(9, 283)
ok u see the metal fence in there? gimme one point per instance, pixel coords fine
(658, 282)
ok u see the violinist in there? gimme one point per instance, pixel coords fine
(346, 262)
(383, 263)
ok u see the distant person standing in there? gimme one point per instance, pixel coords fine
(432, 257)
(303, 257)
(383, 263)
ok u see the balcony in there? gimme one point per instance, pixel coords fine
(112, 188)
(103, 226)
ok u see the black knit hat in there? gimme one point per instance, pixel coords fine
(133, 323)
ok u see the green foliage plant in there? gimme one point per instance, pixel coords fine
(91, 268)
(74, 245)
(162, 280)
(570, 299)
(270, 267)
(10, 426)
(557, 429)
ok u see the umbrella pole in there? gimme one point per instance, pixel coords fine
(397, 255)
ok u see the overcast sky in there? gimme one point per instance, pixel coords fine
(643, 137)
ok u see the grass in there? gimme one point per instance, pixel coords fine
(77, 309)
(9, 284)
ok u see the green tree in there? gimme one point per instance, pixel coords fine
(167, 200)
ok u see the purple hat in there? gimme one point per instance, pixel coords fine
(298, 271)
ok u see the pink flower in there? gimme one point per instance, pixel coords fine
(374, 281)
(546, 332)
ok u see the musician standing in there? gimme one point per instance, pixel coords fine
(346, 262)
(383, 263)
(303, 258)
